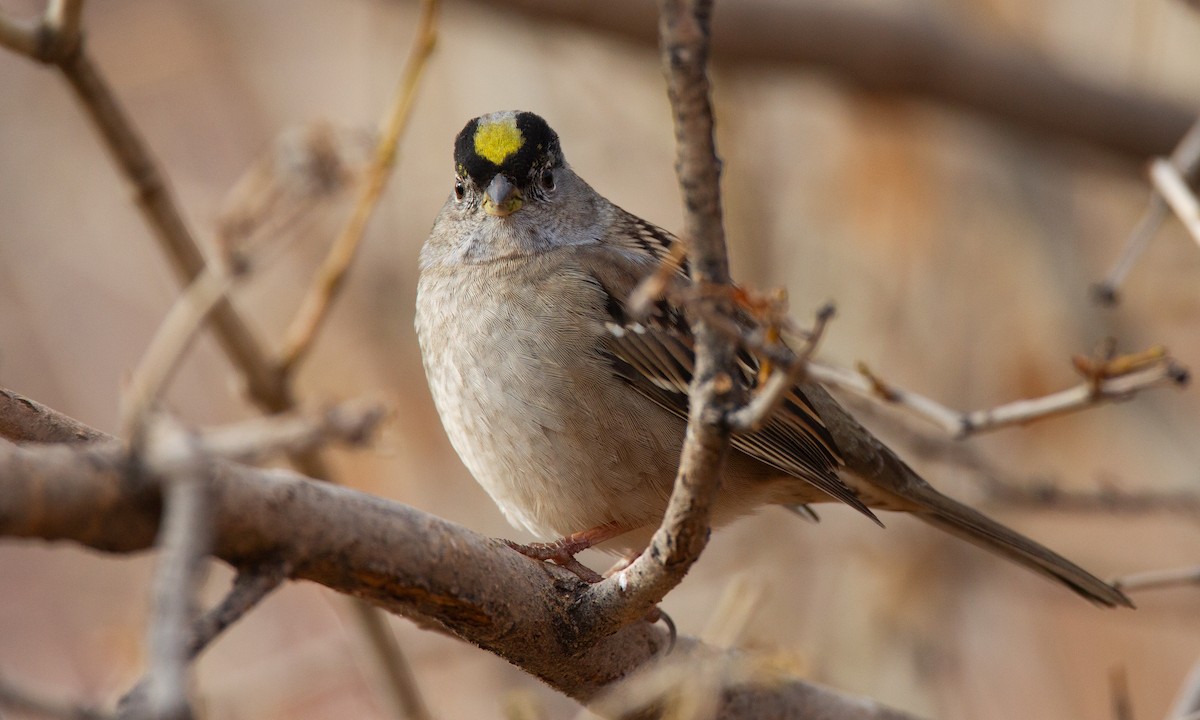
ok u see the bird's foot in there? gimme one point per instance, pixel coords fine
(562, 552)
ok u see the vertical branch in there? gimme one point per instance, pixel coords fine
(684, 39)
(184, 541)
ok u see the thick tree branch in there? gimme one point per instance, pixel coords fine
(437, 573)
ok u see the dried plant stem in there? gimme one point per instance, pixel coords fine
(313, 309)
(1183, 163)
(1173, 188)
(1158, 371)
(172, 339)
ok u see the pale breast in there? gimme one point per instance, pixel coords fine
(510, 350)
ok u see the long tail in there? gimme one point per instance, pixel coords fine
(896, 486)
(973, 526)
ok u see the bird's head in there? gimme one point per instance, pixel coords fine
(505, 160)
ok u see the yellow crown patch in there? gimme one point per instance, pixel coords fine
(497, 141)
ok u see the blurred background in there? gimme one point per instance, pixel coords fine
(958, 244)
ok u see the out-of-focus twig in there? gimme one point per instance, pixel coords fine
(174, 335)
(1187, 701)
(185, 541)
(1184, 164)
(303, 329)
(1158, 579)
(301, 178)
(1173, 188)
(1118, 689)
(250, 587)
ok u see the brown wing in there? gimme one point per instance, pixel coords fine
(655, 356)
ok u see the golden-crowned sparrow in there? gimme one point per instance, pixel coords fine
(571, 413)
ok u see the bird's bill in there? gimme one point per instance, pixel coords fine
(502, 198)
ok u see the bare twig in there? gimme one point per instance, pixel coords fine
(1173, 188)
(1185, 161)
(1116, 379)
(783, 378)
(303, 329)
(250, 587)
(282, 195)
(159, 208)
(253, 440)
(1158, 579)
(1046, 496)
(20, 37)
(185, 541)
(63, 19)
(22, 701)
(404, 694)
(172, 339)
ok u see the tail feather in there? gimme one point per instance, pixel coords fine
(977, 528)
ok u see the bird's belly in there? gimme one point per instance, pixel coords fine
(552, 439)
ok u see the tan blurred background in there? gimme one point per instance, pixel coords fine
(959, 252)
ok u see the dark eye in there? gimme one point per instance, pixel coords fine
(459, 188)
(547, 180)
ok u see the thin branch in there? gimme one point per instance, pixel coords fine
(1185, 159)
(1115, 379)
(1187, 701)
(184, 542)
(1107, 291)
(782, 379)
(250, 587)
(1158, 579)
(406, 700)
(63, 18)
(1109, 501)
(1173, 188)
(159, 208)
(172, 339)
(313, 309)
(254, 440)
